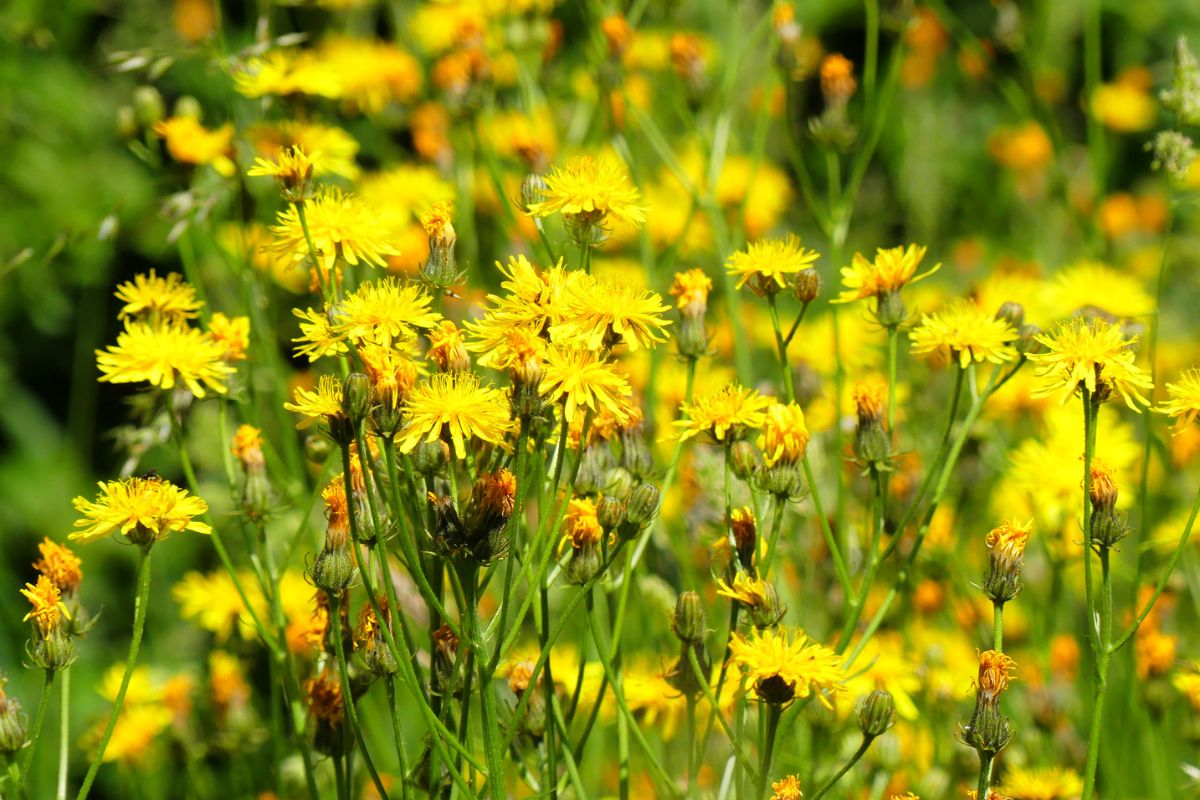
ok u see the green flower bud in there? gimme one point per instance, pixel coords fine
(317, 448)
(806, 286)
(745, 459)
(429, 458)
(610, 512)
(356, 397)
(12, 723)
(643, 505)
(333, 569)
(148, 106)
(1012, 313)
(689, 621)
(877, 713)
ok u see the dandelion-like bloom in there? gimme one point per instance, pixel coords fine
(142, 510)
(582, 380)
(582, 527)
(787, 788)
(1091, 353)
(60, 565)
(247, 446)
(232, 334)
(690, 290)
(291, 166)
(785, 666)
(1183, 400)
(750, 592)
(341, 225)
(189, 142)
(590, 191)
(392, 373)
(48, 609)
(995, 673)
(159, 300)
(768, 264)
(324, 403)
(383, 312)
(447, 348)
(726, 412)
(965, 333)
(317, 338)
(1008, 541)
(162, 355)
(870, 401)
(599, 313)
(454, 404)
(893, 269)
(1046, 783)
(784, 435)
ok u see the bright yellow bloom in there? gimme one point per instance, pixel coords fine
(285, 72)
(1187, 682)
(750, 592)
(324, 403)
(317, 338)
(1125, 106)
(724, 412)
(787, 788)
(392, 373)
(247, 446)
(60, 565)
(291, 166)
(232, 334)
(1090, 285)
(141, 509)
(1008, 541)
(158, 300)
(137, 729)
(600, 313)
(965, 333)
(691, 290)
(591, 191)
(370, 74)
(160, 356)
(227, 682)
(785, 666)
(582, 528)
(330, 150)
(892, 269)
(580, 378)
(768, 264)
(48, 609)
(447, 348)
(1048, 783)
(212, 601)
(341, 225)
(1183, 401)
(784, 435)
(384, 312)
(1094, 354)
(454, 404)
(189, 142)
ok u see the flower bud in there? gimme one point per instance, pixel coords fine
(806, 286)
(877, 713)
(1007, 552)
(889, 309)
(429, 458)
(872, 444)
(12, 723)
(333, 569)
(1108, 526)
(533, 191)
(682, 677)
(583, 564)
(1012, 313)
(444, 660)
(317, 448)
(689, 620)
(148, 106)
(635, 453)
(643, 505)
(610, 512)
(745, 459)
(356, 397)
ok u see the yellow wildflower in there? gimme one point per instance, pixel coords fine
(189, 142)
(591, 191)
(454, 404)
(158, 300)
(1183, 400)
(784, 666)
(1094, 354)
(160, 356)
(965, 333)
(141, 509)
(768, 264)
(724, 413)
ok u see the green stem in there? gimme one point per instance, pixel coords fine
(487, 691)
(781, 347)
(764, 772)
(64, 731)
(998, 627)
(335, 616)
(398, 737)
(985, 775)
(829, 784)
(35, 732)
(839, 561)
(141, 601)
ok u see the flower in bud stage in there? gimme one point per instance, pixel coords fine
(872, 444)
(533, 191)
(583, 535)
(445, 658)
(60, 565)
(430, 458)
(333, 569)
(1006, 545)
(520, 677)
(447, 349)
(689, 622)
(1012, 313)
(806, 285)
(12, 723)
(356, 397)
(370, 642)
(635, 453)
(1108, 525)
(744, 528)
(610, 512)
(256, 488)
(989, 731)
(441, 269)
(617, 34)
(690, 290)
(745, 460)
(642, 506)
(837, 79)
(877, 713)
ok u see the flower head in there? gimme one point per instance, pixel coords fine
(1183, 401)
(787, 788)
(965, 333)
(690, 290)
(726, 412)
(317, 338)
(1045, 783)
(324, 403)
(48, 609)
(892, 270)
(341, 226)
(768, 264)
(591, 191)
(232, 334)
(142, 510)
(291, 166)
(995, 673)
(158, 300)
(60, 565)
(784, 666)
(1089, 353)
(383, 312)
(599, 313)
(454, 404)
(784, 435)
(162, 355)
(581, 379)
(189, 142)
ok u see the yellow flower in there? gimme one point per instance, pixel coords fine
(887, 663)
(1124, 105)
(291, 167)
(232, 333)
(369, 74)
(995, 673)
(1025, 149)
(767, 265)
(190, 142)
(690, 290)
(1008, 541)
(1183, 401)
(1188, 684)
(341, 225)
(750, 592)
(580, 378)
(48, 609)
(212, 601)
(392, 373)
(60, 565)
(324, 403)
(160, 356)
(1092, 285)
(285, 72)
(227, 682)
(726, 412)
(892, 269)
(317, 338)
(137, 729)
(965, 333)
(247, 446)
(785, 666)
(591, 191)
(330, 150)
(384, 312)
(454, 404)
(784, 435)
(581, 525)
(159, 300)
(787, 788)
(446, 347)
(141, 509)
(1047, 783)
(600, 313)
(1094, 354)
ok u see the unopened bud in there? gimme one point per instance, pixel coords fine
(610, 512)
(333, 570)
(689, 621)
(745, 459)
(1012, 313)
(356, 397)
(12, 724)
(806, 286)
(533, 190)
(148, 106)
(643, 505)
(877, 713)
